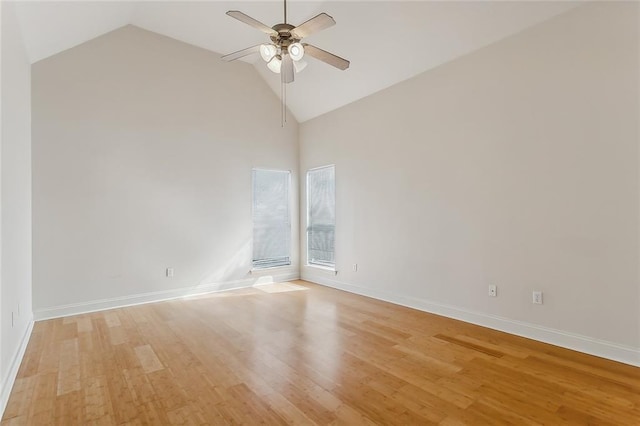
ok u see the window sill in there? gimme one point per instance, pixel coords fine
(327, 269)
(271, 268)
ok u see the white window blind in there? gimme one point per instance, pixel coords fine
(321, 216)
(271, 218)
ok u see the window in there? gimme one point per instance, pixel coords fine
(321, 216)
(271, 219)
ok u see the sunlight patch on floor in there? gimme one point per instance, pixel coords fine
(232, 293)
(280, 287)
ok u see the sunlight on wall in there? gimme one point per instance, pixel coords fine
(231, 269)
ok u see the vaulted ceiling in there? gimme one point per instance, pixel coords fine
(386, 42)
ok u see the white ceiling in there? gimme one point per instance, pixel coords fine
(386, 42)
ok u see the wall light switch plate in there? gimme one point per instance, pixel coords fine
(169, 272)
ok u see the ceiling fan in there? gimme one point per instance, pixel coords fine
(285, 52)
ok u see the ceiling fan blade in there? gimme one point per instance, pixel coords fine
(286, 71)
(313, 25)
(250, 21)
(325, 56)
(241, 53)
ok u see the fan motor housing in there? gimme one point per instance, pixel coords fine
(284, 37)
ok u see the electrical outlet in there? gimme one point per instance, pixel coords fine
(537, 297)
(493, 291)
(169, 272)
(355, 267)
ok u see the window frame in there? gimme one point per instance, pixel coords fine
(308, 262)
(258, 268)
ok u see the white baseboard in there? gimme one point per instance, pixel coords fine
(159, 296)
(9, 380)
(577, 342)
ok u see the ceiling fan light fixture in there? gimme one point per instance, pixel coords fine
(296, 51)
(284, 53)
(267, 51)
(299, 65)
(275, 64)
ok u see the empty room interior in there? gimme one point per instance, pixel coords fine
(320, 212)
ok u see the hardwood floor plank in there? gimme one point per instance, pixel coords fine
(112, 319)
(31, 359)
(118, 335)
(69, 408)
(97, 403)
(506, 401)
(22, 397)
(286, 410)
(84, 324)
(303, 354)
(438, 395)
(68, 367)
(139, 386)
(346, 415)
(185, 416)
(16, 421)
(49, 357)
(422, 402)
(123, 406)
(42, 407)
(493, 373)
(494, 344)
(148, 359)
(255, 407)
(480, 348)
(170, 394)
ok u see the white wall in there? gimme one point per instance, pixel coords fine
(516, 165)
(15, 199)
(142, 155)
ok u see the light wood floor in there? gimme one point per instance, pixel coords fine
(299, 353)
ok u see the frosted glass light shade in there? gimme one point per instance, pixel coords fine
(275, 64)
(267, 51)
(299, 65)
(296, 51)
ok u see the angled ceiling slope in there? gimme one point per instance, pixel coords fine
(387, 42)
